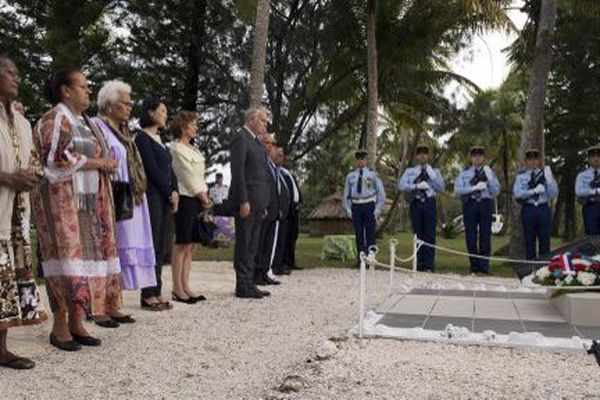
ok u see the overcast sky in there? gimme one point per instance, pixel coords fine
(484, 62)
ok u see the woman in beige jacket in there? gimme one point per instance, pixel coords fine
(188, 165)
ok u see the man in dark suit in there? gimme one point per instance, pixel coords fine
(249, 194)
(268, 230)
(293, 220)
(284, 209)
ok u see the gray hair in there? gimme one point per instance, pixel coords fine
(110, 93)
(252, 111)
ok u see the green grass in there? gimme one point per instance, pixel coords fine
(308, 254)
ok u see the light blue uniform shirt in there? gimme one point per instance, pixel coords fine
(521, 189)
(436, 182)
(372, 188)
(463, 187)
(583, 181)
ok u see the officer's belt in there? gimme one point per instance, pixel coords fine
(366, 200)
(545, 203)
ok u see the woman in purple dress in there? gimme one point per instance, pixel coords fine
(134, 235)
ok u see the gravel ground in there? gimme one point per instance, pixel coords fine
(277, 348)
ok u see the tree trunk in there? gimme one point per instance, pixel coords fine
(373, 96)
(533, 124)
(506, 173)
(198, 27)
(259, 52)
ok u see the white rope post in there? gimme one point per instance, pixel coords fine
(361, 302)
(415, 249)
(392, 263)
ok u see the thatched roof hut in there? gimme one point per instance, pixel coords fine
(329, 218)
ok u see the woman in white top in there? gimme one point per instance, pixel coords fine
(188, 165)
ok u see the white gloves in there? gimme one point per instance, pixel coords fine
(430, 172)
(479, 186)
(422, 186)
(548, 173)
(488, 172)
(539, 189)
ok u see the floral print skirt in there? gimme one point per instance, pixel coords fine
(19, 295)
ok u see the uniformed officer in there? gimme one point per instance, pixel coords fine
(478, 186)
(587, 188)
(363, 199)
(534, 187)
(422, 182)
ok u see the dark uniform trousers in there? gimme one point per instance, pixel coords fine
(423, 216)
(363, 219)
(537, 225)
(266, 243)
(247, 237)
(292, 233)
(591, 218)
(477, 216)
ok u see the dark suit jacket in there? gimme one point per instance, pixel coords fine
(249, 171)
(273, 208)
(158, 166)
(285, 197)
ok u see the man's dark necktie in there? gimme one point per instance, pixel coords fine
(359, 183)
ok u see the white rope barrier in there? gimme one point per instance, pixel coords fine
(490, 258)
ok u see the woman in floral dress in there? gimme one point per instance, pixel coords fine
(74, 214)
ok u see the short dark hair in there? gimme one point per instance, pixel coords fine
(61, 77)
(181, 119)
(149, 104)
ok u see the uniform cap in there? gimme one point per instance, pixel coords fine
(361, 154)
(477, 150)
(532, 153)
(593, 150)
(422, 148)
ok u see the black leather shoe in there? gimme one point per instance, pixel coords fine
(86, 340)
(107, 323)
(123, 319)
(70, 345)
(249, 293)
(281, 272)
(297, 268)
(189, 300)
(271, 281)
(264, 293)
(200, 297)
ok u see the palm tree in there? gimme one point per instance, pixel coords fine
(259, 52)
(372, 92)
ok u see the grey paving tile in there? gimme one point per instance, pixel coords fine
(537, 310)
(526, 295)
(495, 308)
(589, 332)
(453, 306)
(500, 326)
(454, 292)
(440, 323)
(433, 292)
(491, 293)
(550, 329)
(394, 320)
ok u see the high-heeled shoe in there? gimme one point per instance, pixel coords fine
(69, 345)
(189, 300)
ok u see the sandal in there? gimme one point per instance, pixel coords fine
(13, 361)
(123, 319)
(151, 306)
